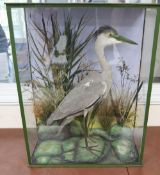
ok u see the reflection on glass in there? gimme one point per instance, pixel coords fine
(6, 61)
(3, 55)
(115, 1)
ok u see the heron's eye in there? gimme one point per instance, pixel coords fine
(110, 34)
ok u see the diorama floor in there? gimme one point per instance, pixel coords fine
(13, 159)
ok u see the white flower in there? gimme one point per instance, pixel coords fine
(60, 47)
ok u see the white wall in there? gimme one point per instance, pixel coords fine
(10, 116)
(10, 112)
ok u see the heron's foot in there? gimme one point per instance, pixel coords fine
(89, 147)
(91, 139)
(92, 149)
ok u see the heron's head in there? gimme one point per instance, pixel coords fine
(107, 35)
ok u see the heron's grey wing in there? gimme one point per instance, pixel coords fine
(78, 99)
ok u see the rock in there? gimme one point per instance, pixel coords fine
(127, 133)
(48, 148)
(73, 149)
(125, 150)
(43, 160)
(50, 132)
(69, 156)
(97, 146)
(115, 131)
(55, 160)
(110, 158)
(70, 144)
(119, 131)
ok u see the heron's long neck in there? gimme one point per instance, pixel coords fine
(103, 61)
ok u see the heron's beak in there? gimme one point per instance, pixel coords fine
(123, 39)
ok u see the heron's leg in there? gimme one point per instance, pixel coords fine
(86, 134)
(85, 128)
(90, 124)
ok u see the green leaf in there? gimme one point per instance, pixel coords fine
(55, 29)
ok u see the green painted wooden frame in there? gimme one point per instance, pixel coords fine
(9, 6)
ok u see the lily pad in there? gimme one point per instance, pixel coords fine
(69, 144)
(92, 154)
(100, 132)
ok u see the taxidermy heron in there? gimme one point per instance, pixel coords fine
(95, 87)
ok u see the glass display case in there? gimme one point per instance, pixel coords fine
(86, 95)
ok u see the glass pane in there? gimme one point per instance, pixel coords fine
(157, 66)
(95, 1)
(6, 61)
(87, 71)
(4, 45)
(122, 1)
(144, 73)
(22, 56)
(101, 1)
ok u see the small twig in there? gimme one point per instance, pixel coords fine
(127, 112)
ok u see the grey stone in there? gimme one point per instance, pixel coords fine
(50, 132)
(48, 148)
(55, 160)
(73, 149)
(127, 133)
(119, 131)
(125, 150)
(69, 156)
(110, 158)
(115, 131)
(43, 160)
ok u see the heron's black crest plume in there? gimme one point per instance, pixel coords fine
(104, 29)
